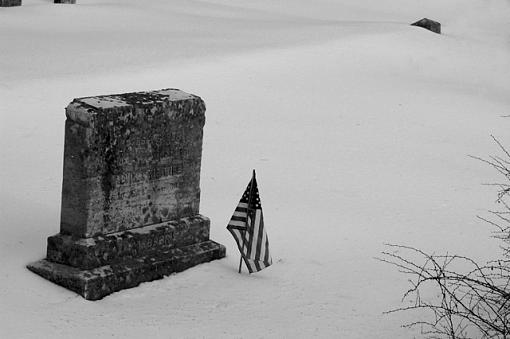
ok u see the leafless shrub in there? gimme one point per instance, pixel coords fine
(463, 298)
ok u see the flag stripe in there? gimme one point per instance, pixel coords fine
(240, 214)
(236, 234)
(249, 238)
(245, 242)
(262, 244)
(237, 223)
(267, 258)
(250, 264)
(239, 238)
(254, 235)
(260, 235)
(238, 218)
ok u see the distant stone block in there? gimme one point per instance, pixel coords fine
(431, 25)
(10, 3)
(64, 1)
(130, 193)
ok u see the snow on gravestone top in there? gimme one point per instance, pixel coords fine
(131, 160)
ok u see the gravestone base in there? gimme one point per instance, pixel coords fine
(98, 266)
(96, 283)
(10, 3)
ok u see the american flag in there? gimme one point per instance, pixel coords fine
(247, 228)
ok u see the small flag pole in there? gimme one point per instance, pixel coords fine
(249, 208)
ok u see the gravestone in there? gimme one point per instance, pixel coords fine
(130, 193)
(10, 3)
(431, 25)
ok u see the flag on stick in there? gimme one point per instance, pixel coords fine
(247, 228)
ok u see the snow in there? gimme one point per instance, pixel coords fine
(358, 125)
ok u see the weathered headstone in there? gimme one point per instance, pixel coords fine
(431, 25)
(10, 3)
(130, 193)
(64, 2)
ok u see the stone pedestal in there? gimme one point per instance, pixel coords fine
(98, 266)
(10, 3)
(130, 193)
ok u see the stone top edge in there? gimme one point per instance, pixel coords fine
(80, 109)
(134, 98)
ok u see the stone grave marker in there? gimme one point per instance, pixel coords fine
(10, 3)
(431, 25)
(130, 193)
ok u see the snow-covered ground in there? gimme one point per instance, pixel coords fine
(358, 124)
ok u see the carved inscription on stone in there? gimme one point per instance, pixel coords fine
(131, 160)
(87, 253)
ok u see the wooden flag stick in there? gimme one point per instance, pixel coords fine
(252, 184)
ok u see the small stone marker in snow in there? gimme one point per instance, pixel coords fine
(10, 3)
(130, 193)
(431, 25)
(64, 2)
